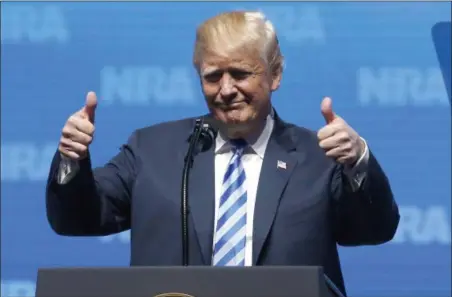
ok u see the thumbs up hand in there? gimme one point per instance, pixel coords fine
(78, 132)
(337, 138)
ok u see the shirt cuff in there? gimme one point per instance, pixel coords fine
(68, 168)
(358, 172)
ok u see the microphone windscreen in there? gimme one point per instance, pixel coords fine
(212, 123)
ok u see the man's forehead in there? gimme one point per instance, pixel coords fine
(212, 62)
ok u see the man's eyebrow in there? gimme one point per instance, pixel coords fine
(209, 70)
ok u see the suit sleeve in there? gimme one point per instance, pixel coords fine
(94, 202)
(368, 215)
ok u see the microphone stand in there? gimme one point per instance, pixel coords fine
(188, 164)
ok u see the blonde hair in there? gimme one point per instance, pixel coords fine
(238, 30)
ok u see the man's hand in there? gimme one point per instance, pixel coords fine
(78, 132)
(337, 138)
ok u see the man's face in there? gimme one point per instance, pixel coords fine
(237, 89)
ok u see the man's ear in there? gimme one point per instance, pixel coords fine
(276, 79)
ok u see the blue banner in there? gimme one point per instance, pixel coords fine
(376, 60)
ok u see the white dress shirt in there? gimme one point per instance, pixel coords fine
(252, 163)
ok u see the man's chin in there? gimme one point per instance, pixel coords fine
(233, 126)
(232, 120)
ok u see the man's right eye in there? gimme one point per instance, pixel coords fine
(213, 77)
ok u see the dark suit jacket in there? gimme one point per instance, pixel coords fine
(302, 212)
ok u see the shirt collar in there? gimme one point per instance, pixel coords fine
(258, 146)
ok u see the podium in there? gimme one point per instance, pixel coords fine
(189, 281)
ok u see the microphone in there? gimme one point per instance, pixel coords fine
(201, 140)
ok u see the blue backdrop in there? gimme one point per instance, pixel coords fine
(376, 60)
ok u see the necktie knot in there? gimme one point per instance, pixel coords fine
(238, 146)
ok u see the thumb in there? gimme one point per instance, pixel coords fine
(326, 108)
(90, 106)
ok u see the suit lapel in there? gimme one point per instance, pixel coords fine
(277, 167)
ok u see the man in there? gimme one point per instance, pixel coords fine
(266, 193)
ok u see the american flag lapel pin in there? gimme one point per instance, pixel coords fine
(281, 165)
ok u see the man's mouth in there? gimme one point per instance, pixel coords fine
(231, 105)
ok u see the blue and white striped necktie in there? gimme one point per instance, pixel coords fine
(230, 236)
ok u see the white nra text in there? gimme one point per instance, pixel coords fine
(28, 23)
(146, 85)
(393, 87)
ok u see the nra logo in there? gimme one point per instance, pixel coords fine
(173, 295)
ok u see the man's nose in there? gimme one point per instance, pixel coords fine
(228, 88)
